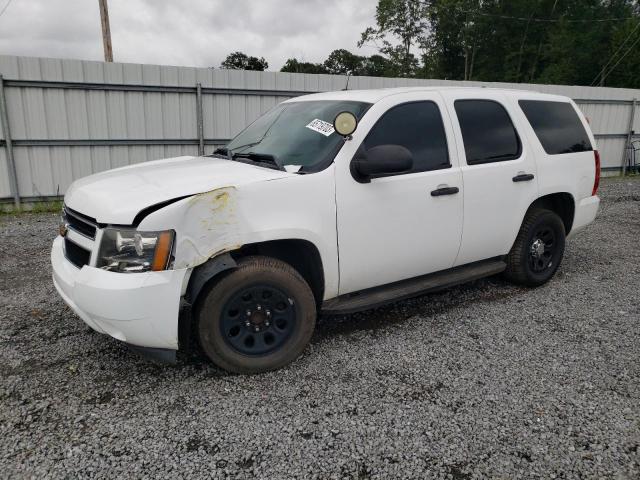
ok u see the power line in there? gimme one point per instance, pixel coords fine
(622, 57)
(546, 20)
(5, 7)
(601, 74)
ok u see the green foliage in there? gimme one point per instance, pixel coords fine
(53, 206)
(343, 62)
(570, 42)
(241, 61)
(398, 21)
(378, 66)
(539, 41)
(293, 65)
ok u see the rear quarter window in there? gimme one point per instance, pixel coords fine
(557, 126)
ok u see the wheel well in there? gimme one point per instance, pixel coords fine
(300, 254)
(562, 204)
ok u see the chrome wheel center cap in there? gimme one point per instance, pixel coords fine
(537, 248)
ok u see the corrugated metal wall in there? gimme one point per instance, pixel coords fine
(93, 121)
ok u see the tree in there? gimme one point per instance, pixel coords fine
(541, 41)
(571, 42)
(343, 62)
(403, 21)
(624, 68)
(293, 65)
(378, 66)
(241, 61)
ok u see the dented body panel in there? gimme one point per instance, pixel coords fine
(118, 195)
(261, 205)
(227, 218)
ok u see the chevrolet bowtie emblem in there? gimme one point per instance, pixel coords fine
(63, 229)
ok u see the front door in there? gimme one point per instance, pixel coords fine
(402, 225)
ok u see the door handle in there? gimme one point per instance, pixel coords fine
(444, 191)
(523, 177)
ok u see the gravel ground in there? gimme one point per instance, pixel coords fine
(482, 380)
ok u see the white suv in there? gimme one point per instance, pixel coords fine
(332, 202)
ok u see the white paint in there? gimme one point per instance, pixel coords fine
(494, 205)
(116, 196)
(141, 309)
(392, 228)
(367, 234)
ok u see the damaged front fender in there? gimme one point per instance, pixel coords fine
(206, 225)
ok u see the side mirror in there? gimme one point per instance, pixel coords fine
(381, 160)
(345, 123)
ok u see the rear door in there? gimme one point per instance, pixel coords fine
(561, 138)
(498, 169)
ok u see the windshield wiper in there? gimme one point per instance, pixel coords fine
(220, 153)
(247, 145)
(269, 161)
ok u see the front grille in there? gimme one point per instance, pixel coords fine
(80, 223)
(76, 254)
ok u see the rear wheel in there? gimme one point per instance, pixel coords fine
(538, 249)
(258, 317)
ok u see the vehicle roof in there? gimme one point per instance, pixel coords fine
(375, 95)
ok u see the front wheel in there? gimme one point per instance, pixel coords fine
(258, 317)
(538, 249)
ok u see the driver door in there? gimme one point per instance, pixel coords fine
(397, 226)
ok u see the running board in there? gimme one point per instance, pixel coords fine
(413, 287)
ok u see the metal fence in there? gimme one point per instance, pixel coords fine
(65, 119)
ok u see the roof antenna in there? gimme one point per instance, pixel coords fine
(346, 87)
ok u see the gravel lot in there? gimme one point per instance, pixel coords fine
(485, 379)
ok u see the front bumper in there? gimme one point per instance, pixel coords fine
(140, 309)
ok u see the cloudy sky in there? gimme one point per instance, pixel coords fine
(193, 32)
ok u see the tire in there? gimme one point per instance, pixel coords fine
(530, 262)
(258, 317)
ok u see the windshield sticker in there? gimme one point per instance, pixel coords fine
(320, 126)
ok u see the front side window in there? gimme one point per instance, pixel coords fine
(487, 131)
(557, 126)
(298, 133)
(418, 127)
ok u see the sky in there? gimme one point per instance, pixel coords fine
(196, 33)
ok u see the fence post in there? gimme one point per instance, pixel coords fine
(627, 144)
(8, 145)
(199, 119)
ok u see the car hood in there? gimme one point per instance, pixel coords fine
(117, 196)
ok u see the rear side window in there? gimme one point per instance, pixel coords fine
(418, 127)
(487, 131)
(557, 126)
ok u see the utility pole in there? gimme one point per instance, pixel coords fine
(106, 31)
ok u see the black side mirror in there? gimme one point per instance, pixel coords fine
(380, 161)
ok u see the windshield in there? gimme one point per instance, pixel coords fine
(297, 133)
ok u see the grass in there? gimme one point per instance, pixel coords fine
(54, 206)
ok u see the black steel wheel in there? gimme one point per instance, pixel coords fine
(538, 249)
(542, 248)
(258, 317)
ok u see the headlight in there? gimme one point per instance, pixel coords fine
(131, 251)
